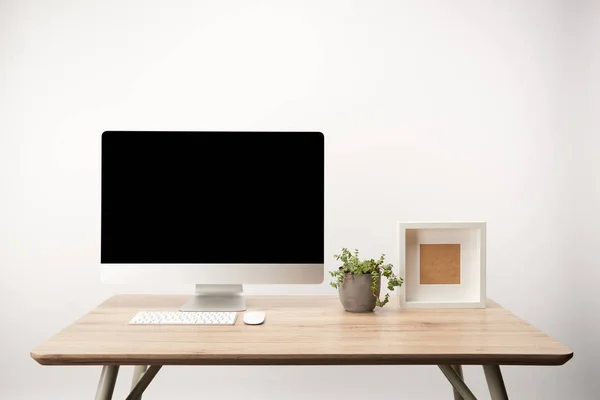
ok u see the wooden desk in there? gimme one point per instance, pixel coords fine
(302, 330)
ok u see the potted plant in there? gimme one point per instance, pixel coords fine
(359, 281)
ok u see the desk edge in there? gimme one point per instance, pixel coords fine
(304, 359)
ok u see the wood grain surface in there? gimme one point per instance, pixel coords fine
(302, 330)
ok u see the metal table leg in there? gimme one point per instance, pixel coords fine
(106, 385)
(459, 372)
(493, 376)
(138, 371)
(143, 382)
(457, 382)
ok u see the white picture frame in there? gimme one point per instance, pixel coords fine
(470, 292)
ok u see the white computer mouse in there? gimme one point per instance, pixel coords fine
(254, 317)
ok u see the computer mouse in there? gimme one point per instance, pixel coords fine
(254, 317)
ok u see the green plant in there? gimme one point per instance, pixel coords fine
(353, 265)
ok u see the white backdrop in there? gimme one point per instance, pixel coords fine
(434, 110)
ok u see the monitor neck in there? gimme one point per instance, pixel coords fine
(216, 298)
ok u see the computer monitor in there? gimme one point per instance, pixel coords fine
(216, 209)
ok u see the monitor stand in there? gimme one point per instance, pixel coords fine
(216, 298)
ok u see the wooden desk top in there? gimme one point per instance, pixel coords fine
(302, 330)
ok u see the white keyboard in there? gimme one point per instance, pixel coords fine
(183, 318)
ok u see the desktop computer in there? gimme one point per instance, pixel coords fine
(214, 209)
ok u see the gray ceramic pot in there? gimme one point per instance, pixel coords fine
(356, 294)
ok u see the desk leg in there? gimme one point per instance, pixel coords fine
(138, 371)
(457, 382)
(106, 385)
(459, 372)
(493, 376)
(144, 381)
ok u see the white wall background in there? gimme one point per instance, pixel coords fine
(435, 110)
